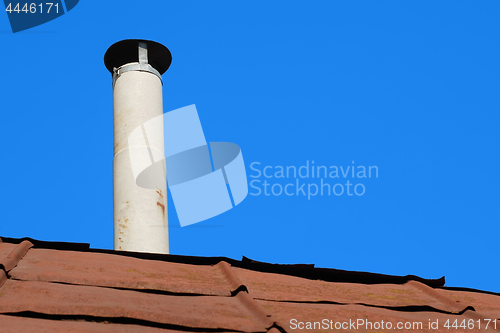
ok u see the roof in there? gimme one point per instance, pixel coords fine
(48, 286)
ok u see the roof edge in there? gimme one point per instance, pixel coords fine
(298, 270)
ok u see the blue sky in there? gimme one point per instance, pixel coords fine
(411, 87)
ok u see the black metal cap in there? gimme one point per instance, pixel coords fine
(126, 51)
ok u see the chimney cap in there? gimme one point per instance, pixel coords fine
(127, 51)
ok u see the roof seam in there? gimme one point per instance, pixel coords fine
(433, 293)
(245, 298)
(403, 308)
(12, 260)
(469, 312)
(276, 329)
(3, 277)
(146, 291)
(229, 274)
(15, 256)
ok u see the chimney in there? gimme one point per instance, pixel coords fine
(140, 214)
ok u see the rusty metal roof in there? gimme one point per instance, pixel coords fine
(67, 287)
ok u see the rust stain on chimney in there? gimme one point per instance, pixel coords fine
(159, 192)
(162, 207)
(123, 224)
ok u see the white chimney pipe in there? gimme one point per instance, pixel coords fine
(140, 214)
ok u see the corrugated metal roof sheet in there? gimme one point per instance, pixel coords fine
(290, 314)
(25, 324)
(275, 287)
(210, 312)
(107, 270)
(56, 287)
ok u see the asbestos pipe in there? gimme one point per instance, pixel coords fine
(140, 214)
